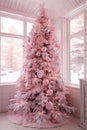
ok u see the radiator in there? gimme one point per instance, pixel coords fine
(83, 103)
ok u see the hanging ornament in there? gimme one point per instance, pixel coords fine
(40, 73)
(49, 92)
(38, 53)
(44, 99)
(44, 21)
(43, 49)
(50, 86)
(44, 55)
(49, 105)
(39, 39)
(47, 36)
(35, 81)
(45, 82)
(46, 42)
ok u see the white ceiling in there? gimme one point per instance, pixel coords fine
(55, 8)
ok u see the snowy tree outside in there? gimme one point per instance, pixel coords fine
(76, 49)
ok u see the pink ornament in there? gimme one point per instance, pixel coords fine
(39, 39)
(49, 105)
(38, 53)
(48, 69)
(34, 60)
(34, 80)
(46, 42)
(44, 21)
(44, 55)
(43, 64)
(47, 35)
(50, 86)
(45, 82)
(49, 92)
(52, 82)
(40, 73)
(44, 99)
(43, 49)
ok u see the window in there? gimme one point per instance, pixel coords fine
(13, 35)
(75, 47)
(76, 53)
(11, 58)
(13, 26)
(77, 24)
(76, 59)
(29, 27)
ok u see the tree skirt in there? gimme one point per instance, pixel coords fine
(25, 121)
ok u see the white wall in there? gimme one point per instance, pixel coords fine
(74, 99)
(6, 93)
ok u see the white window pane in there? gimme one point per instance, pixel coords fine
(11, 59)
(76, 59)
(29, 27)
(12, 26)
(77, 24)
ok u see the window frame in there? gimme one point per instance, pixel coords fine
(76, 34)
(66, 44)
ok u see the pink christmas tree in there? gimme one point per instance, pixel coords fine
(40, 100)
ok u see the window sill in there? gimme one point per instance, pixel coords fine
(72, 85)
(8, 84)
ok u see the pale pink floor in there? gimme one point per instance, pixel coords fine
(5, 124)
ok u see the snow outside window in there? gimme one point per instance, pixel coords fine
(76, 59)
(29, 27)
(12, 26)
(76, 53)
(11, 58)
